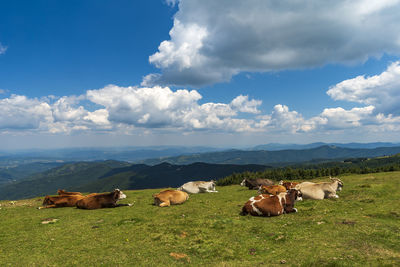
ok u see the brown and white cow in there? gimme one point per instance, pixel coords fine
(288, 185)
(269, 205)
(60, 201)
(320, 190)
(103, 200)
(170, 197)
(62, 192)
(271, 189)
(256, 183)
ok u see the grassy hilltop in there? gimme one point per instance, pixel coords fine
(361, 228)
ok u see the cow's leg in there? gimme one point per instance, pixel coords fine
(289, 209)
(165, 204)
(332, 195)
(124, 205)
(48, 206)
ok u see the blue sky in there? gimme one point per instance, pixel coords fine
(215, 73)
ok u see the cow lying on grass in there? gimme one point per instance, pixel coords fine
(104, 200)
(60, 201)
(256, 183)
(170, 197)
(271, 189)
(198, 187)
(320, 190)
(269, 205)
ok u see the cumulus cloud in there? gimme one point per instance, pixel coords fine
(382, 91)
(243, 104)
(160, 107)
(152, 109)
(19, 112)
(213, 40)
(339, 118)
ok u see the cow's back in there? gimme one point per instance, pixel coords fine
(311, 190)
(171, 196)
(93, 201)
(190, 187)
(263, 205)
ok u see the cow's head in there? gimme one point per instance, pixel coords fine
(47, 201)
(280, 182)
(339, 183)
(295, 194)
(118, 195)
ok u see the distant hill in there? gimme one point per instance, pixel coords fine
(107, 175)
(277, 146)
(281, 157)
(18, 172)
(10, 158)
(58, 178)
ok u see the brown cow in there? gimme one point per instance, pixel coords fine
(62, 192)
(268, 205)
(271, 189)
(104, 200)
(170, 197)
(255, 183)
(288, 185)
(60, 201)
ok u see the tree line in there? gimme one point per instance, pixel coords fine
(309, 171)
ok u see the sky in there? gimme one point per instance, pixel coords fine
(227, 73)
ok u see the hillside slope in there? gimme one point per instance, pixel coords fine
(107, 175)
(58, 178)
(361, 228)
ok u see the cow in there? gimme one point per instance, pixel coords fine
(320, 190)
(269, 205)
(198, 187)
(62, 192)
(103, 200)
(288, 185)
(271, 189)
(255, 183)
(170, 197)
(60, 201)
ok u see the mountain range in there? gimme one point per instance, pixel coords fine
(277, 158)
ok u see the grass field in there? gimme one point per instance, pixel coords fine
(361, 228)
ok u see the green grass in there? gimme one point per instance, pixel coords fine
(361, 228)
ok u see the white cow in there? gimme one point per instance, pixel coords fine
(320, 190)
(199, 187)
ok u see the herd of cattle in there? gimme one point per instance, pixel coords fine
(272, 200)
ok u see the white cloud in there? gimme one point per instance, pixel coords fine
(242, 104)
(64, 109)
(3, 49)
(148, 110)
(382, 91)
(213, 40)
(339, 118)
(19, 112)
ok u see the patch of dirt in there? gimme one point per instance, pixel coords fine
(348, 222)
(180, 256)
